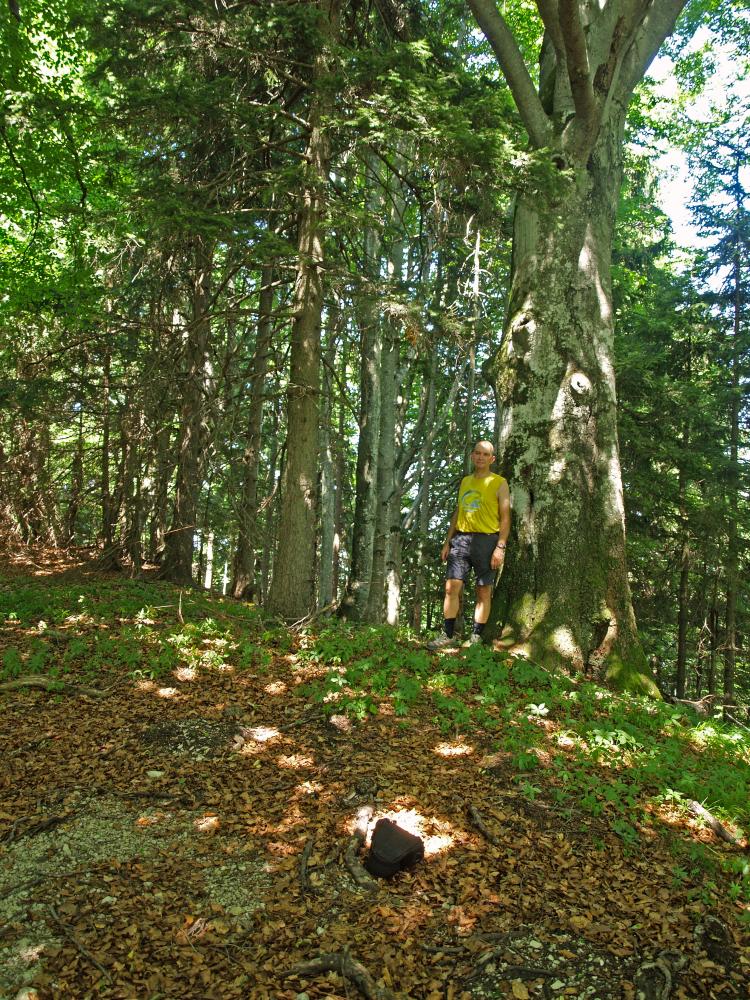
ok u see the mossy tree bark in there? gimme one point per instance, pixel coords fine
(564, 596)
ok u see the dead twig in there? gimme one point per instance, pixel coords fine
(346, 966)
(47, 683)
(358, 873)
(737, 722)
(313, 616)
(713, 823)
(30, 831)
(479, 823)
(74, 940)
(304, 880)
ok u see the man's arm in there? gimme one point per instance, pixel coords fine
(503, 513)
(451, 532)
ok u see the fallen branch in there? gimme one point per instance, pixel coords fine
(713, 823)
(304, 880)
(74, 940)
(10, 836)
(358, 873)
(701, 707)
(479, 823)
(737, 722)
(47, 683)
(313, 616)
(346, 966)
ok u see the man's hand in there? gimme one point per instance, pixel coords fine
(498, 558)
(445, 552)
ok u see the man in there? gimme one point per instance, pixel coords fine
(477, 537)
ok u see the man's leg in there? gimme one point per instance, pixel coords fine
(481, 614)
(483, 605)
(451, 603)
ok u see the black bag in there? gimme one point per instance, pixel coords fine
(392, 849)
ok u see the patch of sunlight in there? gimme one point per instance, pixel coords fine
(282, 849)
(151, 819)
(217, 643)
(709, 735)
(565, 741)
(276, 687)
(532, 611)
(209, 823)
(186, 673)
(566, 646)
(261, 734)
(309, 788)
(31, 952)
(167, 692)
(453, 749)
(438, 836)
(556, 471)
(225, 668)
(84, 619)
(296, 760)
(145, 686)
(341, 722)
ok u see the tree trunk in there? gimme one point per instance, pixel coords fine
(327, 475)
(425, 481)
(385, 478)
(565, 594)
(292, 593)
(682, 617)
(243, 570)
(178, 554)
(732, 560)
(269, 506)
(565, 597)
(356, 599)
(76, 484)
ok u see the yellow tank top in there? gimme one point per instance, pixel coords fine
(477, 504)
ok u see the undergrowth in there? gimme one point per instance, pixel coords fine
(632, 764)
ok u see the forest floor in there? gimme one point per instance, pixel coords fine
(178, 805)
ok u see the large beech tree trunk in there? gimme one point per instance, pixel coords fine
(292, 593)
(564, 596)
(565, 591)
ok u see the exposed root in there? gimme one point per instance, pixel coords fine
(304, 879)
(346, 966)
(15, 834)
(479, 823)
(357, 870)
(713, 823)
(74, 941)
(47, 683)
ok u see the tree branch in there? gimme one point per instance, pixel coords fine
(551, 20)
(511, 63)
(579, 74)
(657, 24)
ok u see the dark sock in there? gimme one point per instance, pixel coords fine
(478, 628)
(450, 627)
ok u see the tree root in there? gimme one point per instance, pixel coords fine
(74, 941)
(304, 879)
(357, 870)
(47, 683)
(13, 835)
(713, 823)
(346, 966)
(479, 823)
